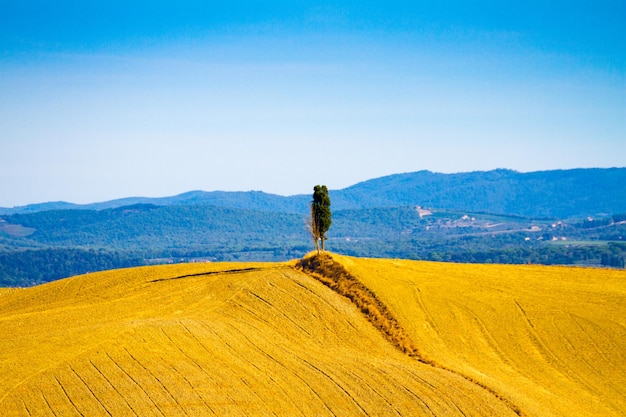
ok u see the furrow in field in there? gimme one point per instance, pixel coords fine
(566, 349)
(92, 394)
(168, 398)
(26, 409)
(425, 389)
(289, 379)
(120, 398)
(255, 356)
(210, 367)
(334, 380)
(488, 342)
(121, 363)
(48, 407)
(68, 399)
(189, 368)
(380, 398)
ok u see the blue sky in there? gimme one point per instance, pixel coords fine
(102, 100)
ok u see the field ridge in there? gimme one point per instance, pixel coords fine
(331, 273)
(325, 269)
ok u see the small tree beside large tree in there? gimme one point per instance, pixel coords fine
(320, 216)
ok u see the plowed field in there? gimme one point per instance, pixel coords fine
(552, 340)
(241, 339)
(265, 339)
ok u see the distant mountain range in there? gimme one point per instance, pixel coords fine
(576, 193)
(498, 216)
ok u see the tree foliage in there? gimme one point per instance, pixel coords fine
(320, 215)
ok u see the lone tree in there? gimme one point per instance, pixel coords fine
(320, 215)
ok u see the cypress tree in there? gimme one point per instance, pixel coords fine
(320, 215)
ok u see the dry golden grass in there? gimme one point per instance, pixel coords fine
(332, 274)
(551, 340)
(214, 339)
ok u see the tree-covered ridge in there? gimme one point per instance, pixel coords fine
(499, 216)
(576, 193)
(554, 194)
(148, 226)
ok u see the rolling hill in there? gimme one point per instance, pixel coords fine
(575, 193)
(262, 339)
(550, 194)
(550, 339)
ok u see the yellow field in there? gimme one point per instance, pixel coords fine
(552, 340)
(266, 339)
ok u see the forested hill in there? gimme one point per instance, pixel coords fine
(551, 194)
(499, 216)
(559, 194)
(251, 200)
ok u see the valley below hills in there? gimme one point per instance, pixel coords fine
(572, 217)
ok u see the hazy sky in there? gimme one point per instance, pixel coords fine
(109, 99)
